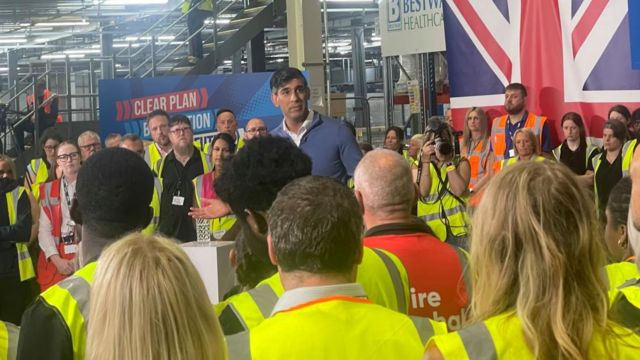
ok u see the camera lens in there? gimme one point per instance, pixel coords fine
(444, 148)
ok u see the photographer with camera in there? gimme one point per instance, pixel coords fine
(443, 177)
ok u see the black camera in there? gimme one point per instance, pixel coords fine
(438, 133)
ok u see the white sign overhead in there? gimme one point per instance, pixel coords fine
(411, 26)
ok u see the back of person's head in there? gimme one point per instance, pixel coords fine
(258, 171)
(113, 192)
(284, 76)
(383, 179)
(622, 110)
(315, 226)
(536, 250)
(148, 302)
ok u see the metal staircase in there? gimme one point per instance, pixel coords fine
(244, 27)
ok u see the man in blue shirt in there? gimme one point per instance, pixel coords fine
(504, 127)
(333, 149)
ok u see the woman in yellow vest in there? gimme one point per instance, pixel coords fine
(16, 267)
(415, 144)
(476, 147)
(443, 180)
(525, 147)
(222, 148)
(394, 140)
(607, 166)
(148, 302)
(575, 151)
(41, 170)
(537, 259)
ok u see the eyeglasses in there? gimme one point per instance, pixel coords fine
(180, 130)
(50, 147)
(95, 145)
(257, 130)
(69, 156)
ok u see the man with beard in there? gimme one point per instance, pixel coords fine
(517, 117)
(158, 125)
(177, 171)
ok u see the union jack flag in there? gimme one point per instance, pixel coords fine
(572, 55)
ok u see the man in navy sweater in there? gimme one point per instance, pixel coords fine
(333, 149)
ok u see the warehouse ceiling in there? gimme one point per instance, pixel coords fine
(45, 32)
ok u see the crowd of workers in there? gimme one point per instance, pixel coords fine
(455, 248)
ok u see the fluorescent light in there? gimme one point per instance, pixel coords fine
(61, 56)
(12, 41)
(4, 69)
(63, 23)
(82, 51)
(130, 2)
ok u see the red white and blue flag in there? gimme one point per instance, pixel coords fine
(572, 55)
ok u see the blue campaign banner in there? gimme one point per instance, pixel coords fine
(634, 33)
(125, 103)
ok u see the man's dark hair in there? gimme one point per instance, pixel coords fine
(179, 119)
(157, 112)
(113, 192)
(112, 136)
(226, 138)
(620, 109)
(252, 179)
(130, 137)
(320, 234)
(517, 86)
(224, 110)
(284, 76)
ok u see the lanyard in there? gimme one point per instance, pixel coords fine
(65, 189)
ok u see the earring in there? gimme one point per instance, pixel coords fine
(623, 242)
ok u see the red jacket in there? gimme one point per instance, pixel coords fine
(436, 270)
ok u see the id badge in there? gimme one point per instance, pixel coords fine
(512, 153)
(177, 200)
(70, 248)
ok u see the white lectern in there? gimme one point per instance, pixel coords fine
(211, 259)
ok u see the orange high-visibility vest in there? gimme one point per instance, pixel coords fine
(477, 157)
(498, 132)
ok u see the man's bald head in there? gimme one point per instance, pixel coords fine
(255, 128)
(384, 181)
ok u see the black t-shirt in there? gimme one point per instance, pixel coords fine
(177, 181)
(606, 178)
(576, 160)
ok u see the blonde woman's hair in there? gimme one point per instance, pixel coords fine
(484, 126)
(532, 138)
(538, 254)
(12, 164)
(148, 302)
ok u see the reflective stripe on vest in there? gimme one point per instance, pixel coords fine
(38, 171)
(498, 132)
(239, 346)
(25, 265)
(152, 157)
(432, 207)
(478, 342)
(252, 307)
(8, 340)
(155, 206)
(627, 155)
(477, 161)
(427, 328)
(50, 204)
(597, 160)
(71, 298)
(396, 279)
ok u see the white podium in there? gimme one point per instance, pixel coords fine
(211, 259)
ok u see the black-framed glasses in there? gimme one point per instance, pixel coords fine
(95, 145)
(260, 130)
(181, 130)
(69, 156)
